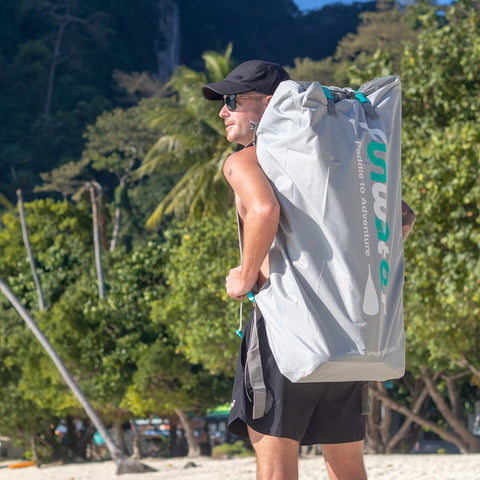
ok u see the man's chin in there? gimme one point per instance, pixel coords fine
(232, 138)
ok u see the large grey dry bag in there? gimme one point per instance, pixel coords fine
(333, 303)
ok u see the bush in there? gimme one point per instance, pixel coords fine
(229, 450)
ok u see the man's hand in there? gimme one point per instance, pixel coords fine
(238, 286)
(408, 220)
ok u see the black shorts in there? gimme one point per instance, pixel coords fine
(310, 413)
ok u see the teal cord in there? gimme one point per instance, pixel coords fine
(252, 299)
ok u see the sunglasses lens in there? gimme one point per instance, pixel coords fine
(230, 102)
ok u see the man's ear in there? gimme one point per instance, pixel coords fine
(268, 98)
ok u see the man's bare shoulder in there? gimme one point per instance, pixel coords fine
(242, 159)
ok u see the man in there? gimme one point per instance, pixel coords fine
(330, 414)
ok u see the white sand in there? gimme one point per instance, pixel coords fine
(379, 467)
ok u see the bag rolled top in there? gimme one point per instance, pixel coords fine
(333, 305)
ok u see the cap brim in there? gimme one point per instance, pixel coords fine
(216, 91)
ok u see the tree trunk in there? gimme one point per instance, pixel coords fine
(193, 445)
(453, 393)
(124, 464)
(119, 433)
(119, 197)
(102, 220)
(405, 428)
(26, 241)
(465, 363)
(385, 418)
(96, 242)
(116, 228)
(445, 435)
(374, 441)
(55, 62)
(137, 445)
(454, 422)
(33, 446)
(173, 436)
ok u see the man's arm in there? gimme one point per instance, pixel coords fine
(259, 212)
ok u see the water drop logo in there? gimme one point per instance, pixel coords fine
(370, 299)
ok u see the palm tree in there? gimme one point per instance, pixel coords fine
(26, 241)
(193, 143)
(95, 191)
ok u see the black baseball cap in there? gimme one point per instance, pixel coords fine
(256, 75)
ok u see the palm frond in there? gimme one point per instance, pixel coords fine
(192, 142)
(218, 66)
(201, 191)
(4, 202)
(156, 156)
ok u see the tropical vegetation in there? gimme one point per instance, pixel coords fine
(118, 228)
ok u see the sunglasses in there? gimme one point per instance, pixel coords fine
(231, 100)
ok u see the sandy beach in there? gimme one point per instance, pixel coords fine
(379, 467)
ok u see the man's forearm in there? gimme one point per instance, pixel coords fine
(259, 229)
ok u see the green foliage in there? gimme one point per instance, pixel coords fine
(245, 21)
(165, 335)
(67, 179)
(197, 309)
(98, 341)
(120, 137)
(97, 38)
(438, 60)
(230, 450)
(269, 29)
(441, 163)
(116, 146)
(33, 395)
(327, 71)
(321, 31)
(101, 339)
(192, 143)
(118, 356)
(165, 380)
(19, 416)
(375, 49)
(60, 239)
(64, 62)
(136, 86)
(382, 30)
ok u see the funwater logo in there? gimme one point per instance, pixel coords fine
(378, 191)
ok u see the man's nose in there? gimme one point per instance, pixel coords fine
(224, 112)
